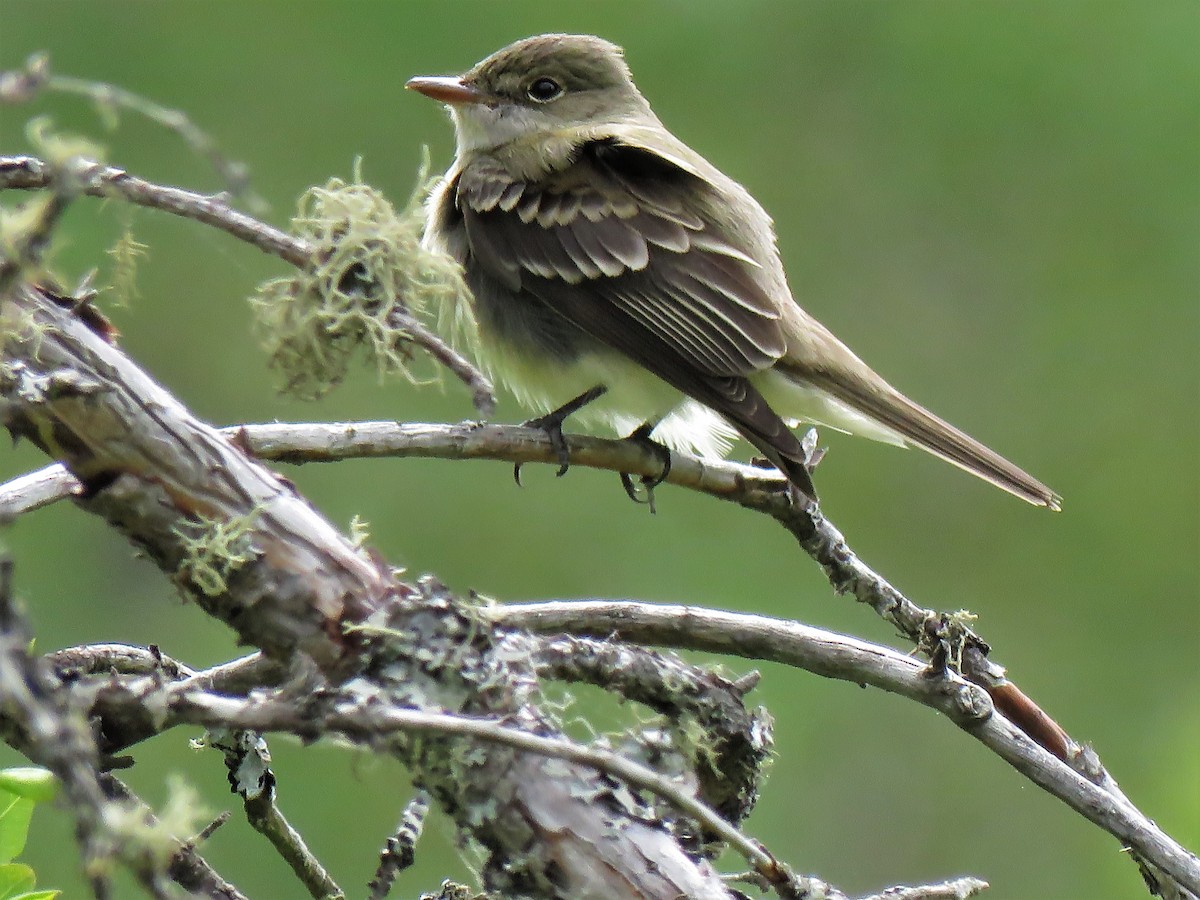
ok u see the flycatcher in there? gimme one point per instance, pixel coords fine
(603, 251)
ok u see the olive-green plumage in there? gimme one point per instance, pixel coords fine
(601, 249)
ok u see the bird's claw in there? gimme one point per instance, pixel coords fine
(552, 423)
(641, 437)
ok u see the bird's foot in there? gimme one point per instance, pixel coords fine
(641, 437)
(552, 423)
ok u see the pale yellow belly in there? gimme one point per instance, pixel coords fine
(635, 396)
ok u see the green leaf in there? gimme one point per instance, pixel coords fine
(16, 879)
(34, 782)
(15, 814)
(38, 895)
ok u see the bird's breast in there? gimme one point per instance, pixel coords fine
(545, 360)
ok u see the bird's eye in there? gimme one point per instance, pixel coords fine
(543, 90)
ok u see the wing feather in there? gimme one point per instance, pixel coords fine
(634, 240)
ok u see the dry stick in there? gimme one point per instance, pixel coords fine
(845, 658)
(761, 491)
(131, 686)
(753, 488)
(34, 490)
(356, 721)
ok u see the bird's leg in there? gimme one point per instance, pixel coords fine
(552, 423)
(641, 437)
(800, 497)
(813, 453)
(812, 458)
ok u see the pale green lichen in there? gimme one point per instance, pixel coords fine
(125, 253)
(369, 272)
(20, 230)
(22, 325)
(58, 148)
(360, 531)
(213, 549)
(133, 828)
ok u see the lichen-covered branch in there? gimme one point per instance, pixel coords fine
(302, 591)
(858, 662)
(186, 867)
(712, 733)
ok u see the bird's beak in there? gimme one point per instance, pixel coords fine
(447, 89)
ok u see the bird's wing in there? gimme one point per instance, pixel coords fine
(622, 244)
(620, 228)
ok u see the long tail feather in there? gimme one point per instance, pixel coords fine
(920, 427)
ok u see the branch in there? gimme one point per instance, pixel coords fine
(725, 744)
(847, 659)
(39, 720)
(186, 868)
(756, 489)
(365, 723)
(97, 180)
(22, 85)
(752, 488)
(248, 762)
(30, 173)
(248, 550)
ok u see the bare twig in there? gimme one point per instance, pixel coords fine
(22, 85)
(250, 776)
(98, 180)
(34, 490)
(483, 396)
(954, 889)
(401, 849)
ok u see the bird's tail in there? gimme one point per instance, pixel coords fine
(878, 401)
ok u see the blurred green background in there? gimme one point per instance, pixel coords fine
(997, 204)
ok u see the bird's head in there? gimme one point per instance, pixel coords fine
(538, 88)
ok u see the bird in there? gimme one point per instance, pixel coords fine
(608, 259)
